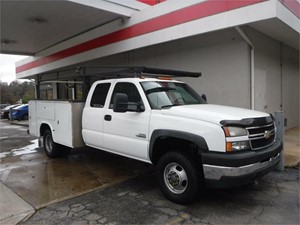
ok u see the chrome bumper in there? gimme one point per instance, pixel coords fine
(213, 172)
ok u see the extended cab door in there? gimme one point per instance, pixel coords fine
(93, 114)
(127, 133)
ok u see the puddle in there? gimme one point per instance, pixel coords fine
(5, 137)
(3, 154)
(29, 149)
(41, 181)
(13, 127)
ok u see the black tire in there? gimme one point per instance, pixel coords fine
(179, 177)
(25, 117)
(52, 149)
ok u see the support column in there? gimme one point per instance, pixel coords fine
(37, 87)
(279, 120)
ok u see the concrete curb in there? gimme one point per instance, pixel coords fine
(13, 208)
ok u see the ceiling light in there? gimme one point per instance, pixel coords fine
(37, 20)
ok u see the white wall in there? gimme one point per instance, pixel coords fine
(222, 57)
(267, 71)
(276, 88)
(290, 86)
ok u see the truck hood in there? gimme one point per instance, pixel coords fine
(212, 113)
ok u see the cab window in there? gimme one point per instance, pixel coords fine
(99, 95)
(131, 91)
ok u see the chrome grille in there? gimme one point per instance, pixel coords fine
(262, 136)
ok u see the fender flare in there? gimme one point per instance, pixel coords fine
(47, 124)
(196, 139)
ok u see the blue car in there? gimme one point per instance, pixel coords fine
(20, 112)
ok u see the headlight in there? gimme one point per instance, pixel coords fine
(234, 131)
(236, 139)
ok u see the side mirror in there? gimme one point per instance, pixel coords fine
(204, 97)
(140, 107)
(120, 103)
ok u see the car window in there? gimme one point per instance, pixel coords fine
(131, 91)
(168, 94)
(99, 95)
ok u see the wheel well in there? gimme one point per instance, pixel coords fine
(43, 128)
(166, 144)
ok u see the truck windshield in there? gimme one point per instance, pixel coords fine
(162, 94)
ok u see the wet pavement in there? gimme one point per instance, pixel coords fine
(92, 187)
(273, 199)
(41, 181)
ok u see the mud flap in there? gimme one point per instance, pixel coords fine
(41, 141)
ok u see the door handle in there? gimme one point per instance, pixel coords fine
(107, 117)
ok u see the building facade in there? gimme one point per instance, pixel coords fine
(247, 51)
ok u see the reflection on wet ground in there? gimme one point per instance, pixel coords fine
(41, 181)
(22, 151)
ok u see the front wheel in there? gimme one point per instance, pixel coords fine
(179, 177)
(52, 149)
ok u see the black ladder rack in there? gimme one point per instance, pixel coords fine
(138, 71)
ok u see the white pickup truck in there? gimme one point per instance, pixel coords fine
(166, 123)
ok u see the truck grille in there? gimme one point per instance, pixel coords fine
(262, 136)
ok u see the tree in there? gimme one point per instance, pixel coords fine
(5, 95)
(15, 91)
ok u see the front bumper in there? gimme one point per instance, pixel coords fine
(223, 170)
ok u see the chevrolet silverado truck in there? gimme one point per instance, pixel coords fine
(164, 122)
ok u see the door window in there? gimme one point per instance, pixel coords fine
(99, 95)
(134, 98)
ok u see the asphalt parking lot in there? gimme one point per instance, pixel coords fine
(272, 200)
(92, 187)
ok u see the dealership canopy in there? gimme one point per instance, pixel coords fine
(58, 34)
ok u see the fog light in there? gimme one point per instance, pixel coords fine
(237, 146)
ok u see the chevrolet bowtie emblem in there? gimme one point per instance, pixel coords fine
(267, 134)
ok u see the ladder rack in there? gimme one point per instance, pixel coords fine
(138, 71)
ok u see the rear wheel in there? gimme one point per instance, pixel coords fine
(179, 177)
(52, 149)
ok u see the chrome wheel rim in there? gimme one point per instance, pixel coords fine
(175, 178)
